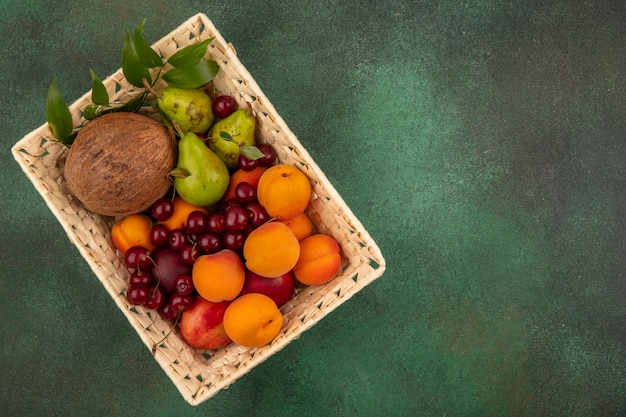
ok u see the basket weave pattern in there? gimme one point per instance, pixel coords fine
(199, 375)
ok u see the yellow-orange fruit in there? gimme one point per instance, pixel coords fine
(271, 250)
(132, 230)
(219, 276)
(284, 191)
(319, 261)
(252, 320)
(300, 225)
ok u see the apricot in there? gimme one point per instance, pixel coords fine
(251, 177)
(271, 250)
(132, 230)
(300, 225)
(252, 320)
(284, 191)
(319, 261)
(218, 276)
(181, 211)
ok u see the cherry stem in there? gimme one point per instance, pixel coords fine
(156, 344)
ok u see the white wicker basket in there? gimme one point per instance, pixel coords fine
(199, 375)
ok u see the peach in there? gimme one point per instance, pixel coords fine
(271, 250)
(219, 276)
(132, 230)
(319, 261)
(252, 320)
(202, 326)
(284, 191)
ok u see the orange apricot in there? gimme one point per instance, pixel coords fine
(251, 177)
(319, 261)
(132, 230)
(181, 211)
(300, 225)
(252, 320)
(284, 191)
(218, 276)
(271, 250)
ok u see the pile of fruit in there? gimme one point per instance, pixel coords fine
(223, 250)
(212, 226)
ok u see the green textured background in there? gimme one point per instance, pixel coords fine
(481, 143)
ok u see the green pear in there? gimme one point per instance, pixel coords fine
(191, 109)
(227, 135)
(200, 177)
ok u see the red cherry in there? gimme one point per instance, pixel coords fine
(159, 234)
(177, 239)
(137, 295)
(223, 106)
(257, 215)
(189, 253)
(184, 284)
(162, 209)
(197, 222)
(235, 218)
(137, 257)
(180, 303)
(269, 155)
(246, 164)
(141, 278)
(209, 243)
(216, 223)
(156, 298)
(245, 193)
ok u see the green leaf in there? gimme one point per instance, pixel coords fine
(99, 93)
(134, 70)
(58, 114)
(190, 55)
(251, 152)
(226, 136)
(148, 56)
(134, 104)
(191, 76)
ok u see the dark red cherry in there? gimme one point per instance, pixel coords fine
(223, 106)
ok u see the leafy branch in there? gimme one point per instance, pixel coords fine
(184, 69)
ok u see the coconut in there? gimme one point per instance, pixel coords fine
(119, 163)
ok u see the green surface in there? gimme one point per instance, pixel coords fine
(482, 145)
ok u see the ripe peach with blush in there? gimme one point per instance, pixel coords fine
(202, 326)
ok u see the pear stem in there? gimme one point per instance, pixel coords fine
(179, 130)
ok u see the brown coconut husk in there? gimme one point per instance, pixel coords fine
(119, 163)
